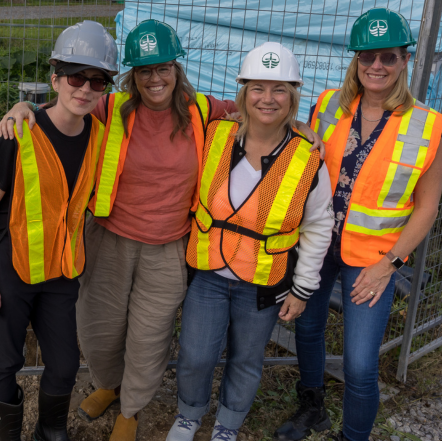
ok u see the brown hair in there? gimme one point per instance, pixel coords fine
(288, 122)
(183, 96)
(399, 96)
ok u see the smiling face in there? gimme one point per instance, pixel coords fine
(267, 102)
(78, 101)
(156, 92)
(380, 79)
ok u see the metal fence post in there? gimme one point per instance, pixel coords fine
(419, 86)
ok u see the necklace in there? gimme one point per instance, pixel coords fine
(370, 120)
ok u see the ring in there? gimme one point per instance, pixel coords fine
(11, 117)
(372, 293)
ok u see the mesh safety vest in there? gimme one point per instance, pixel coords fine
(382, 198)
(46, 224)
(114, 150)
(254, 240)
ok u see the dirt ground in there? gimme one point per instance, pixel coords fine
(154, 423)
(274, 403)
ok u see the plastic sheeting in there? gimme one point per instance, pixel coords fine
(217, 34)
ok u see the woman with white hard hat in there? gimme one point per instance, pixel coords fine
(46, 179)
(385, 161)
(258, 238)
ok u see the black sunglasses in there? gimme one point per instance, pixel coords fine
(78, 80)
(387, 58)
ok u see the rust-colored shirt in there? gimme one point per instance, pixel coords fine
(159, 177)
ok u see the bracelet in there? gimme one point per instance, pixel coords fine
(35, 108)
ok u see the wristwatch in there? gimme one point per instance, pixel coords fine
(396, 261)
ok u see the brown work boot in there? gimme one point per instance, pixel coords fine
(125, 429)
(97, 403)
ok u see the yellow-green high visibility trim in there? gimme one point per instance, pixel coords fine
(111, 158)
(204, 107)
(215, 153)
(34, 212)
(282, 241)
(278, 211)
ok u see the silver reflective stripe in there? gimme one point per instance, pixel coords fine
(411, 150)
(398, 186)
(327, 117)
(375, 222)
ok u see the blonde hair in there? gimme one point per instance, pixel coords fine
(289, 120)
(400, 96)
(183, 96)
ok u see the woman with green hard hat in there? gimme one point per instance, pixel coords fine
(385, 162)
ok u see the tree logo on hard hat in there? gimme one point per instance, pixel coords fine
(148, 42)
(270, 60)
(378, 28)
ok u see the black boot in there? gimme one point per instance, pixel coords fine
(52, 421)
(310, 415)
(11, 418)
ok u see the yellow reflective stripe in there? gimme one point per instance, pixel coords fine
(263, 266)
(111, 158)
(202, 215)
(411, 184)
(326, 100)
(216, 150)
(422, 154)
(318, 121)
(429, 124)
(329, 132)
(202, 103)
(279, 208)
(34, 211)
(73, 248)
(286, 189)
(397, 151)
(381, 212)
(339, 113)
(283, 241)
(387, 183)
(363, 230)
(405, 122)
(202, 254)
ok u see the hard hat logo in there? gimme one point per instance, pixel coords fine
(270, 60)
(148, 43)
(378, 28)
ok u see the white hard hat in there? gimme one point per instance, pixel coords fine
(270, 61)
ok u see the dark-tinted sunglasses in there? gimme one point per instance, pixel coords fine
(78, 80)
(387, 58)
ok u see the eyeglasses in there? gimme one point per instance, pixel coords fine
(163, 70)
(78, 80)
(387, 58)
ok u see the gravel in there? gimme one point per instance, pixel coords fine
(36, 12)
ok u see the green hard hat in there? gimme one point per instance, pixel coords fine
(151, 42)
(380, 28)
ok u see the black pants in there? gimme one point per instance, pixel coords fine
(50, 307)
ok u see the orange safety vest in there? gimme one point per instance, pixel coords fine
(382, 198)
(46, 223)
(113, 156)
(252, 241)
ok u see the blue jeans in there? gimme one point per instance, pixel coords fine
(364, 329)
(218, 310)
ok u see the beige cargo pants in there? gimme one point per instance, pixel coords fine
(125, 313)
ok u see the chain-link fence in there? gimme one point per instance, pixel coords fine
(216, 35)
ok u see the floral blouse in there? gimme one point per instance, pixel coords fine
(354, 156)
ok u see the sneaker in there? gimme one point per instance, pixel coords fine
(183, 429)
(220, 433)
